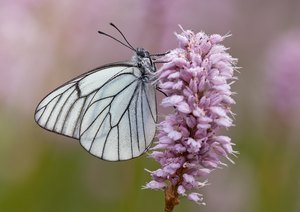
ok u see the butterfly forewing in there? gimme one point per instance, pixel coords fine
(110, 110)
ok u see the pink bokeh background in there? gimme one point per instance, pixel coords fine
(45, 43)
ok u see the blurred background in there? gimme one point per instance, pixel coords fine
(44, 43)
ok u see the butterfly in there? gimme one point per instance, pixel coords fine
(111, 109)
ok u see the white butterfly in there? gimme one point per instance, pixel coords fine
(111, 109)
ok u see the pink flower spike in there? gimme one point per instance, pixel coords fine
(197, 80)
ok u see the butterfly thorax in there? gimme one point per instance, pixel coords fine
(143, 60)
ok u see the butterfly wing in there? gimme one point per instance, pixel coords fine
(110, 110)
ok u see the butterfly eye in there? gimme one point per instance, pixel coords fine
(147, 54)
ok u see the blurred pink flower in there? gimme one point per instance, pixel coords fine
(24, 53)
(208, 15)
(41, 41)
(197, 81)
(283, 74)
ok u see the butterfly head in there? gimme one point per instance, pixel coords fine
(142, 58)
(141, 52)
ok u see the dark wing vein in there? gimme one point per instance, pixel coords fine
(92, 122)
(127, 107)
(61, 109)
(130, 133)
(148, 103)
(142, 111)
(97, 132)
(79, 117)
(136, 122)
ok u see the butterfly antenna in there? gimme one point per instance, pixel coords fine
(122, 35)
(161, 54)
(103, 33)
